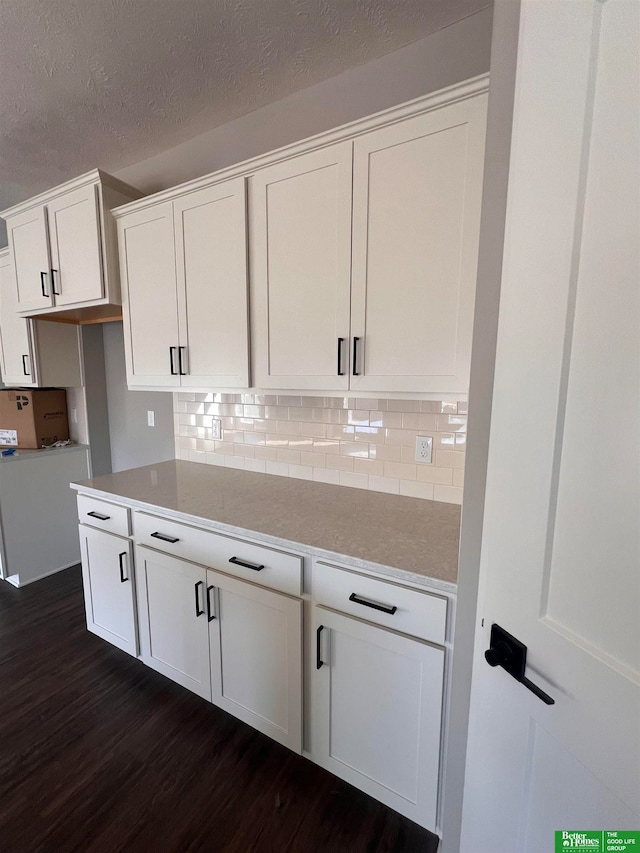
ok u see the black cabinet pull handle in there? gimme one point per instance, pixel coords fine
(340, 370)
(24, 365)
(53, 283)
(44, 290)
(121, 557)
(172, 365)
(319, 661)
(197, 592)
(210, 614)
(355, 356)
(257, 567)
(181, 370)
(505, 651)
(385, 608)
(99, 516)
(165, 538)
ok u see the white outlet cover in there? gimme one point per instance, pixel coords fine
(424, 448)
(217, 429)
(151, 418)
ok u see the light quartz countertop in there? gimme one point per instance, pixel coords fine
(407, 538)
(28, 453)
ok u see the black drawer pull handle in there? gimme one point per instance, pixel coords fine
(210, 614)
(165, 538)
(181, 370)
(172, 366)
(53, 283)
(121, 557)
(319, 661)
(340, 370)
(44, 291)
(197, 592)
(385, 608)
(24, 365)
(355, 356)
(99, 516)
(255, 566)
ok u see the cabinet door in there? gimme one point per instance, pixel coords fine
(376, 715)
(416, 218)
(109, 594)
(27, 233)
(300, 227)
(256, 657)
(211, 266)
(76, 253)
(148, 276)
(173, 620)
(16, 342)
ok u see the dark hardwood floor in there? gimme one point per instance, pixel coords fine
(99, 753)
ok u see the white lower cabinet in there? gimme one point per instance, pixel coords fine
(377, 711)
(109, 591)
(256, 656)
(172, 613)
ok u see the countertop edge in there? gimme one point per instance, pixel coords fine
(377, 569)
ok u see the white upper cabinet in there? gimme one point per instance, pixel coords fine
(416, 217)
(74, 235)
(300, 232)
(63, 248)
(184, 273)
(33, 352)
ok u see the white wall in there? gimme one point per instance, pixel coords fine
(133, 443)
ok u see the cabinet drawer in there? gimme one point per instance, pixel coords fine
(102, 514)
(265, 566)
(409, 611)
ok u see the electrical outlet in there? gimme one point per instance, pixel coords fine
(216, 426)
(73, 414)
(424, 448)
(151, 418)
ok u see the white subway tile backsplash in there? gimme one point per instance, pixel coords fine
(357, 442)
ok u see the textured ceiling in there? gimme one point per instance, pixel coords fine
(107, 83)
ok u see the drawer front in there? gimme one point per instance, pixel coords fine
(419, 614)
(104, 515)
(255, 563)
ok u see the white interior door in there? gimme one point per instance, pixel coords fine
(560, 549)
(417, 190)
(148, 276)
(29, 245)
(16, 352)
(300, 226)
(211, 267)
(76, 254)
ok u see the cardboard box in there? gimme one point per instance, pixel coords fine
(33, 417)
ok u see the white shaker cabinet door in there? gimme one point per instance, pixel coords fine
(416, 217)
(148, 276)
(300, 226)
(376, 712)
(16, 340)
(256, 656)
(76, 254)
(29, 246)
(109, 594)
(211, 267)
(172, 618)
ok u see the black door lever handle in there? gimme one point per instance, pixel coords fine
(505, 651)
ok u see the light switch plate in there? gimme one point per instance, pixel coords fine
(424, 448)
(216, 427)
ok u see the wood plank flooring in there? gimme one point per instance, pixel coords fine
(99, 753)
